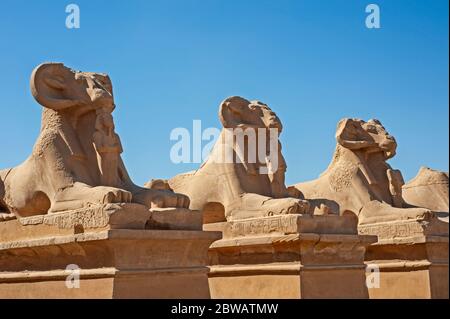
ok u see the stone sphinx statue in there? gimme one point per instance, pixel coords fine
(428, 189)
(359, 180)
(241, 188)
(76, 160)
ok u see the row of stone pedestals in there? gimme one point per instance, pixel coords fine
(127, 251)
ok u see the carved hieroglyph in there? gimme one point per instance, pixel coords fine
(428, 189)
(359, 180)
(76, 160)
(237, 189)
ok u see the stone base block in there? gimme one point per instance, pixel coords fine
(107, 251)
(411, 257)
(289, 256)
(108, 264)
(109, 284)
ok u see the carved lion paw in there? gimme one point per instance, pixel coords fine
(376, 211)
(80, 195)
(160, 198)
(166, 199)
(107, 195)
(284, 206)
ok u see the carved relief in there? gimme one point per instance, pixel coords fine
(278, 224)
(394, 230)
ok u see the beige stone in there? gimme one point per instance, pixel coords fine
(359, 180)
(272, 247)
(428, 189)
(76, 160)
(119, 251)
(72, 206)
(234, 190)
(289, 256)
(115, 263)
(412, 258)
(412, 248)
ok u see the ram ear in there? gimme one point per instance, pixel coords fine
(351, 135)
(48, 84)
(232, 110)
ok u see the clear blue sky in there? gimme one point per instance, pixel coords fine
(171, 62)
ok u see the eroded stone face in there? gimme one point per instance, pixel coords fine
(243, 187)
(76, 160)
(359, 179)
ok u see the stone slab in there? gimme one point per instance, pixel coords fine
(96, 218)
(412, 258)
(289, 256)
(112, 264)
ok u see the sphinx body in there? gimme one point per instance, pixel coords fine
(230, 185)
(76, 160)
(428, 189)
(359, 180)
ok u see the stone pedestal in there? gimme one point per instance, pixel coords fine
(412, 258)
(116, 251)
(289, 256)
